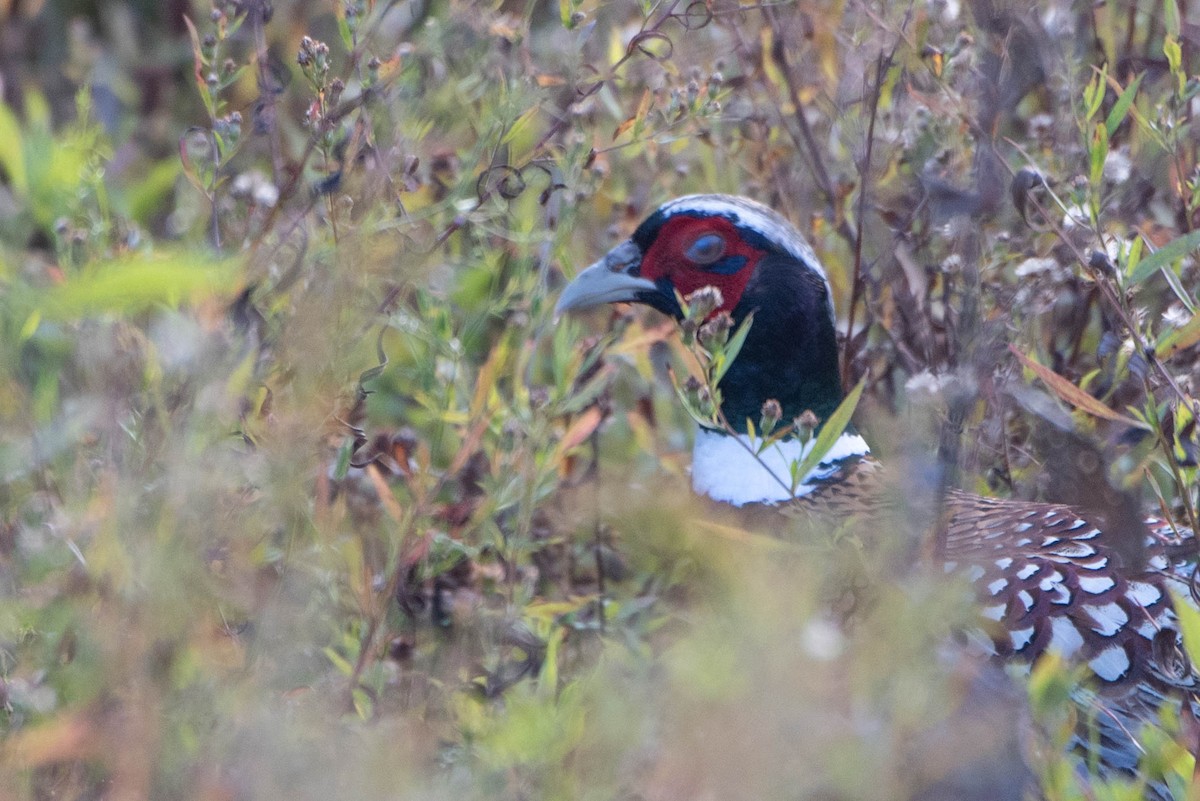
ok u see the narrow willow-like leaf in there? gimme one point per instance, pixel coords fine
(1072, 394)
(1171, 18)
(580, 430)
(1165, 256)
(832, 428)
(1121, 107)
(12, 152)
(1099, 153)
(1189, 625)
(1179, 338)
(1093, 93)
(1181, 293)
(134, 284)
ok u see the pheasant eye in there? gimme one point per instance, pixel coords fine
(706, 249)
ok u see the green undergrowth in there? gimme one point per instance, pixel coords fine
(305, 493)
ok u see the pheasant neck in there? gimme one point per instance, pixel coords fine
(790, 354)
(732, 469)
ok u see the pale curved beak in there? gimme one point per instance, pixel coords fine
(612, 279)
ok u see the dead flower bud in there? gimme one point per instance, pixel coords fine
(705, 400)
(771, 412)
(806, 424)
(714, 85)
(336, 87)
(715, 333)
(704, 301)
(698, 396)
(687, 331)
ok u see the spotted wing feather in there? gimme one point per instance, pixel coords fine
(1050, 578)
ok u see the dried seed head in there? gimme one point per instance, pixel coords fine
(687, 330)
(715, 333)
(704, 301)
(771, 412)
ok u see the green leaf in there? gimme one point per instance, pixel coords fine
(134, 284)
(1093, 93)
(12, 154)
(1174, 54)
(1165, 256)
(149, 196)
(342, 465)
(344, 32)
(692, 412)
(1134, 257)
(521, 124)
(1171, 18)
(1180, 292)
(1177, 339)
(1098, 152)
(732, 348)
(31, 326)
(831, 429)
(1121, 108)
(1189, 625)
(338, 661)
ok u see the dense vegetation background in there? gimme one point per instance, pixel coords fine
(304, 493)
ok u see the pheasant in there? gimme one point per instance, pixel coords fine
(1048, 576)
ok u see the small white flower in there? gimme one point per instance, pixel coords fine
(1118, 166)
(947, 10)
(1040, 125)
(1036, 266)
(1075, 217)
(1176, 316)
(924, 382)
(266, 194)
(822, 639)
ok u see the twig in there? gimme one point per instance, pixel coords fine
(882, 65)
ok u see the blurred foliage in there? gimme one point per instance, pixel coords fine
(305, 494)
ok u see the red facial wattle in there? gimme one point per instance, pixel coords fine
(667, 258)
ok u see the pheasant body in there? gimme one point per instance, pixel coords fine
(1048, 576)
